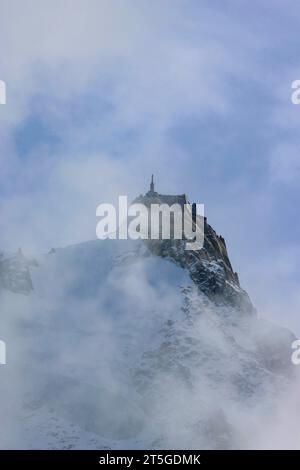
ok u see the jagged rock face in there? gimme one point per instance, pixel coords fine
(209, 268)
(15, 274)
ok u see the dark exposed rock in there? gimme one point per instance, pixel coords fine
(209, 268)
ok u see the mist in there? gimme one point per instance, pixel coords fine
(116, 348)
(123, 352)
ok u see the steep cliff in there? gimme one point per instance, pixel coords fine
(209, 268)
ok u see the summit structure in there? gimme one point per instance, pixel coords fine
(153, 197)
(152, 186)
(209, 267)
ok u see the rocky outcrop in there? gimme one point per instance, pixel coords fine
(209, 268)
(15, 274)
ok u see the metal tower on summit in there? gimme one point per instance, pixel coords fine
(152, 185)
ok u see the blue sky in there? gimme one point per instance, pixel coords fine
(101, 94)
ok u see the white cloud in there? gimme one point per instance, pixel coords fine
(151, 64)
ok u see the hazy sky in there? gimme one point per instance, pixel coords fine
(100, 94)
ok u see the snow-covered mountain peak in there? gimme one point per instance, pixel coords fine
(119, 345)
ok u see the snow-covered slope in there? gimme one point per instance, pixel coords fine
(118, 346)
